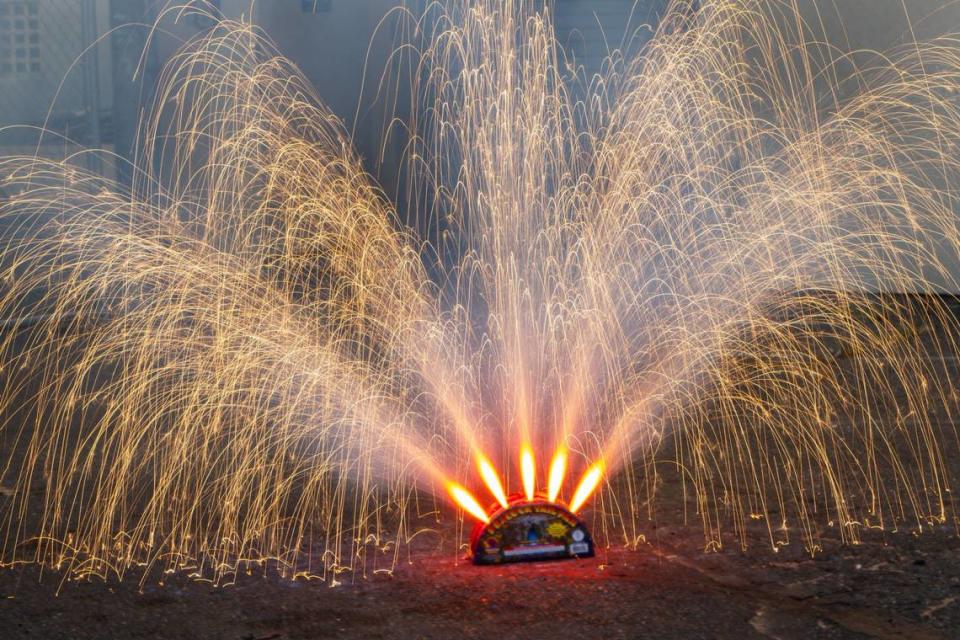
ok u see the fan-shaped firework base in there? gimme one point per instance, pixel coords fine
(526, 531)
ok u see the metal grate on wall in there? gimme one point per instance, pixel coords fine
(19, 37)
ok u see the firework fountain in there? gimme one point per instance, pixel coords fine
(249, 356)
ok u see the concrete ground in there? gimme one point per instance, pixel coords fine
(889, 586)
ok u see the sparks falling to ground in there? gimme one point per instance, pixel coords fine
(249, 355)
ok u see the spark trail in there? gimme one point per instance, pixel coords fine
(249, 355)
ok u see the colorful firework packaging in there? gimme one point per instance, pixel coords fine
(526, 531)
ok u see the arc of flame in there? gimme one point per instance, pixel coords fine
(585, 488)
(555, 478)
(466, 501)
(528, 471)
(588, 483)
(492, 480)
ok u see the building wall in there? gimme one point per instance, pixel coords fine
(590, 29)
(342, 47)
(880, 24)
(39, 42)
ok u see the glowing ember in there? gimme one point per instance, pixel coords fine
(466, 500)
(557, 468)
(528, 471)
(492, 480)
(588, 484)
